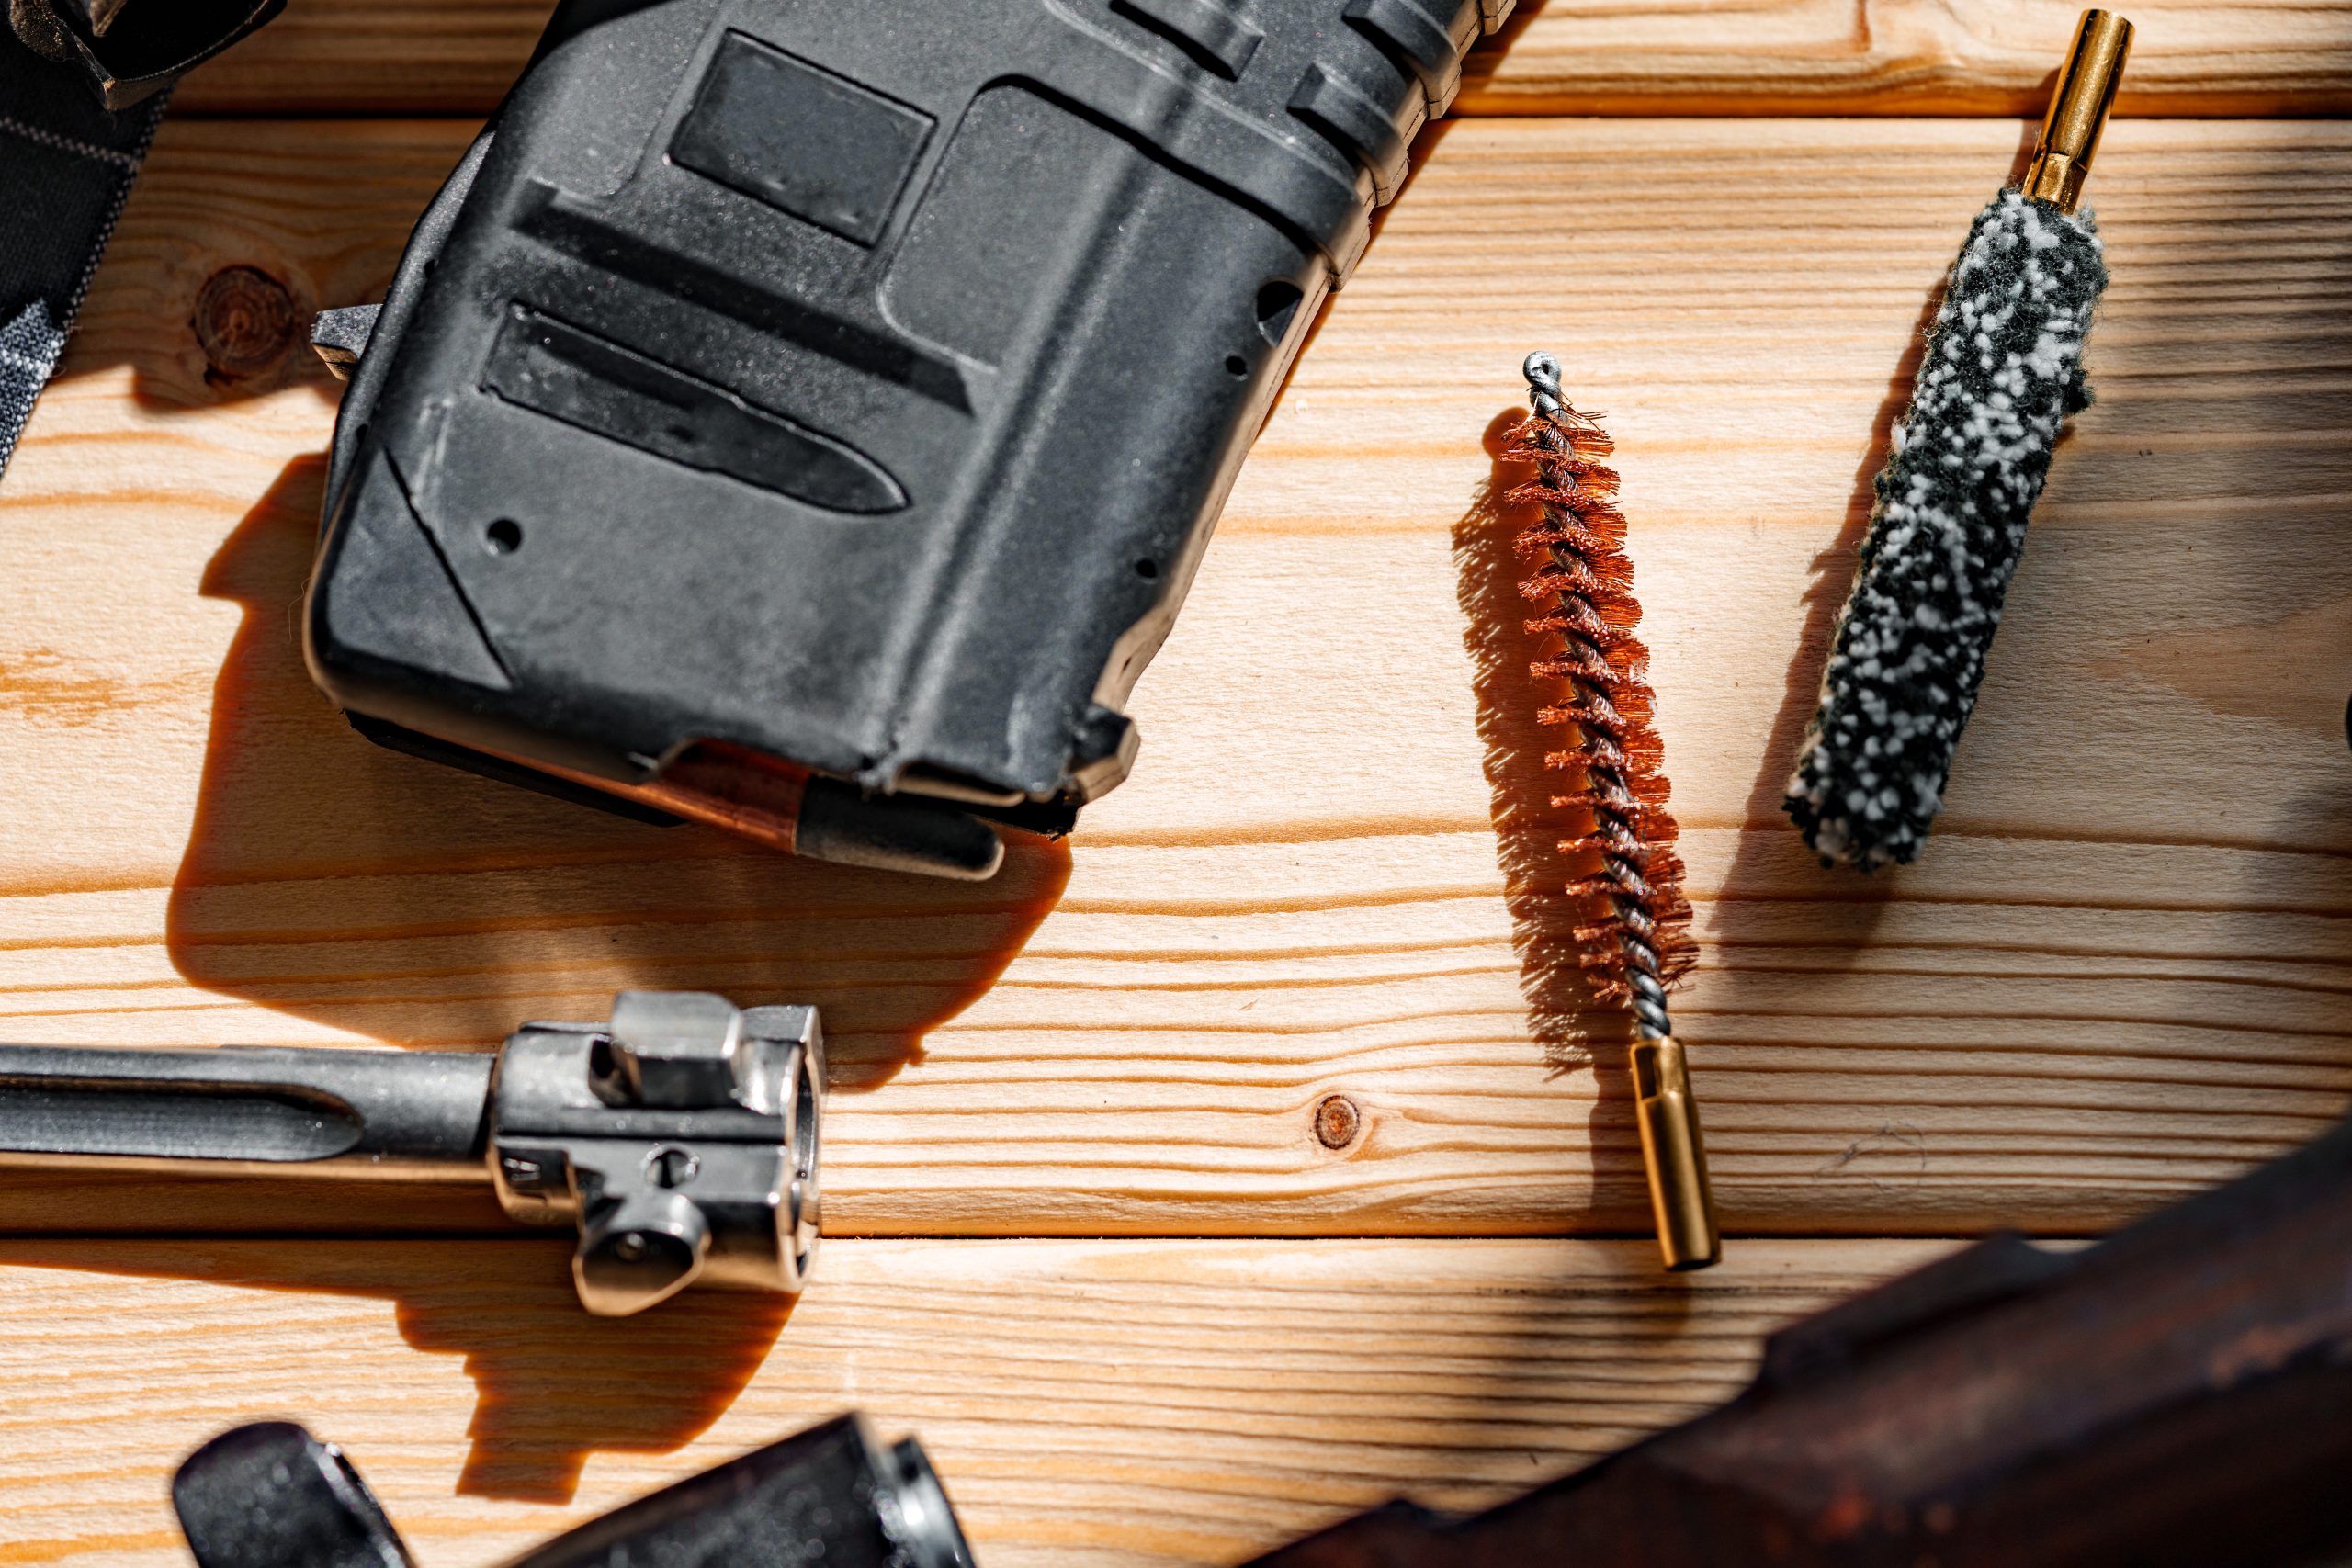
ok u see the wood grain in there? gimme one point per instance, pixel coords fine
(1906, 57)
(373, 56)
(1173, 1403)
(1636, 56)
(2118, 974)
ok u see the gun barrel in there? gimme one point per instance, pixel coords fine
(2178, 1394)
(390, 1114)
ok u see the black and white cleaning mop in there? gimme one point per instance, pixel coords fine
(2002, 371)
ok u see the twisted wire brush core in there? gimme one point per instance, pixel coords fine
(2003, 369)
(1636, 935)
(1636, 938)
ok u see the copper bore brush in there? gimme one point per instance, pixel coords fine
(1635, 938)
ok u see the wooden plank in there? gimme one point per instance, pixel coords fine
(1087, 1403)
(373, 56)
(1907, 57)
(1634, 57)
(2117, 975)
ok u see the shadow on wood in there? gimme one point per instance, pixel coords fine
(1772, 854)
(1837, 914)
(553, 1384)
(383, 896)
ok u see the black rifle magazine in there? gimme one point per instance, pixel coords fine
(809, 417)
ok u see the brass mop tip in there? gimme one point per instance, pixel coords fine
(2079, 111)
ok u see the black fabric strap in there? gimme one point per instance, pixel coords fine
(79, 104)
(67, 164)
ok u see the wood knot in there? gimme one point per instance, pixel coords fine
(246, 324)
(1337, 1122)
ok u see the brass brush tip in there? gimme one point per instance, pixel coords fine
(1675, 1158)
(2078, 110)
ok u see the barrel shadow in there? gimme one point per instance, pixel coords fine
(553, 1385)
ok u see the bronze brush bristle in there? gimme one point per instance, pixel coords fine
(1637, 934)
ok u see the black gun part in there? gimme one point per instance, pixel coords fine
(681, 1140)
(272, 1495)
(807, 418)
(2177, 1396)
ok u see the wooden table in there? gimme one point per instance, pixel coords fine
(1087, 1239)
